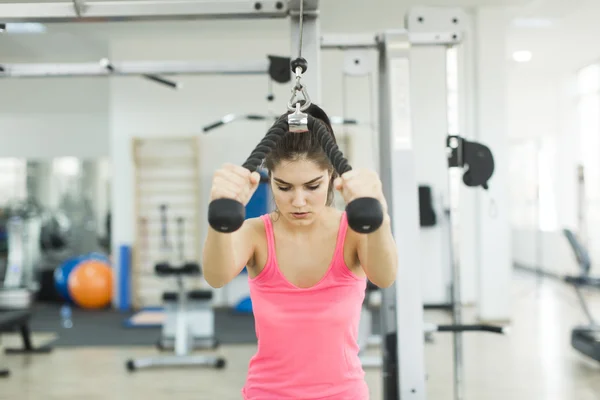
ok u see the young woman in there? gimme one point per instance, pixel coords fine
(307, 270)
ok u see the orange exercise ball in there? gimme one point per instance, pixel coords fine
(91, 283)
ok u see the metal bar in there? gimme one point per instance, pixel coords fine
(349, 41)
(135, 68)
(128, 10)
(402, 304)
(455, 175)
(344, 41)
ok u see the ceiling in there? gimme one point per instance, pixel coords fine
(562, 35)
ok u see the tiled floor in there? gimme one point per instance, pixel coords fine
(534, 362)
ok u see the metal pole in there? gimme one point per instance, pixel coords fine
(456, 301)
(136, 10)
(256, 67)
(402, 306)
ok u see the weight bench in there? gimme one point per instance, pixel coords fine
(19, 320)
(189, 320)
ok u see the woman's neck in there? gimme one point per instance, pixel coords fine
(300, 231)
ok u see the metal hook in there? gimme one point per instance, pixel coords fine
(298, 121)
(293, 101)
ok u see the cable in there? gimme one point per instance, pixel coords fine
(301, 28)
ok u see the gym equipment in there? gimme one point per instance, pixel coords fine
(365, 215)
(61, 277)
(90, 284)
(189, 321)
(56, 231)
(257, 117)
(480, 163)
(62, 272)
(366, 338)
(19, 320)
(21, 275)
(426, 211)
(275, 66)
(98, 256)
(584, 338)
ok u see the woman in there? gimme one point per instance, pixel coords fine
(307, 271)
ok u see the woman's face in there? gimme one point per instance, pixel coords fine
(300, 190)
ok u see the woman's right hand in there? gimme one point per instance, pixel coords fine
(234, 182)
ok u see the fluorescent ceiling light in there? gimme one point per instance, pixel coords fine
(522, 56)
(25, 28)
(532, 22)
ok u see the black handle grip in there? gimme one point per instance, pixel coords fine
(228, 215)
(365, 215)
(471, 328)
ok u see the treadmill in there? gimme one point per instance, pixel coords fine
(584, 338)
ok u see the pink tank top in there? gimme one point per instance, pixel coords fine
(307, 338)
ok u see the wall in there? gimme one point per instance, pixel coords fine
(47, 118)
(542, 116)
(53, 117)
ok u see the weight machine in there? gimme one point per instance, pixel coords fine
(403, 364)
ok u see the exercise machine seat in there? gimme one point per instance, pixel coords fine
(188, 269)
(191, 295)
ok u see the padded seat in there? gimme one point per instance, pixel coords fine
(165, 269)
(191, 295)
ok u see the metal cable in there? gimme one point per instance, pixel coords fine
(301, 28)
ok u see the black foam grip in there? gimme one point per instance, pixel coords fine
(365, 214)
(228, 215)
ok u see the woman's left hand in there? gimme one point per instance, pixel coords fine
(360, 183)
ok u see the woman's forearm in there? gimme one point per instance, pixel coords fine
(380, 258)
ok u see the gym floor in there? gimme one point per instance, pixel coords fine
(534, 362)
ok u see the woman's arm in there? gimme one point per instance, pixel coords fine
(378, 256)
(225, 254)
(376, 251)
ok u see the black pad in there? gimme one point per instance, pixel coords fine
(587, 341)
(480, 160)
(583, 258)
(475, 156)
(192, 295)
(426, 212)
(9, 320)
(165, 269)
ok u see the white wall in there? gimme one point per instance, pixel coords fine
(53, 117)
(542, 111)
(47, 118)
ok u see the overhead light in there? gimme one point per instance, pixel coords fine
(522, 56)
(532, 22)
(24, 27)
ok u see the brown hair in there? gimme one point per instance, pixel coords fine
(296, 146)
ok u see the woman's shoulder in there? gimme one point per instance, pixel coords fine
(254, 224)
